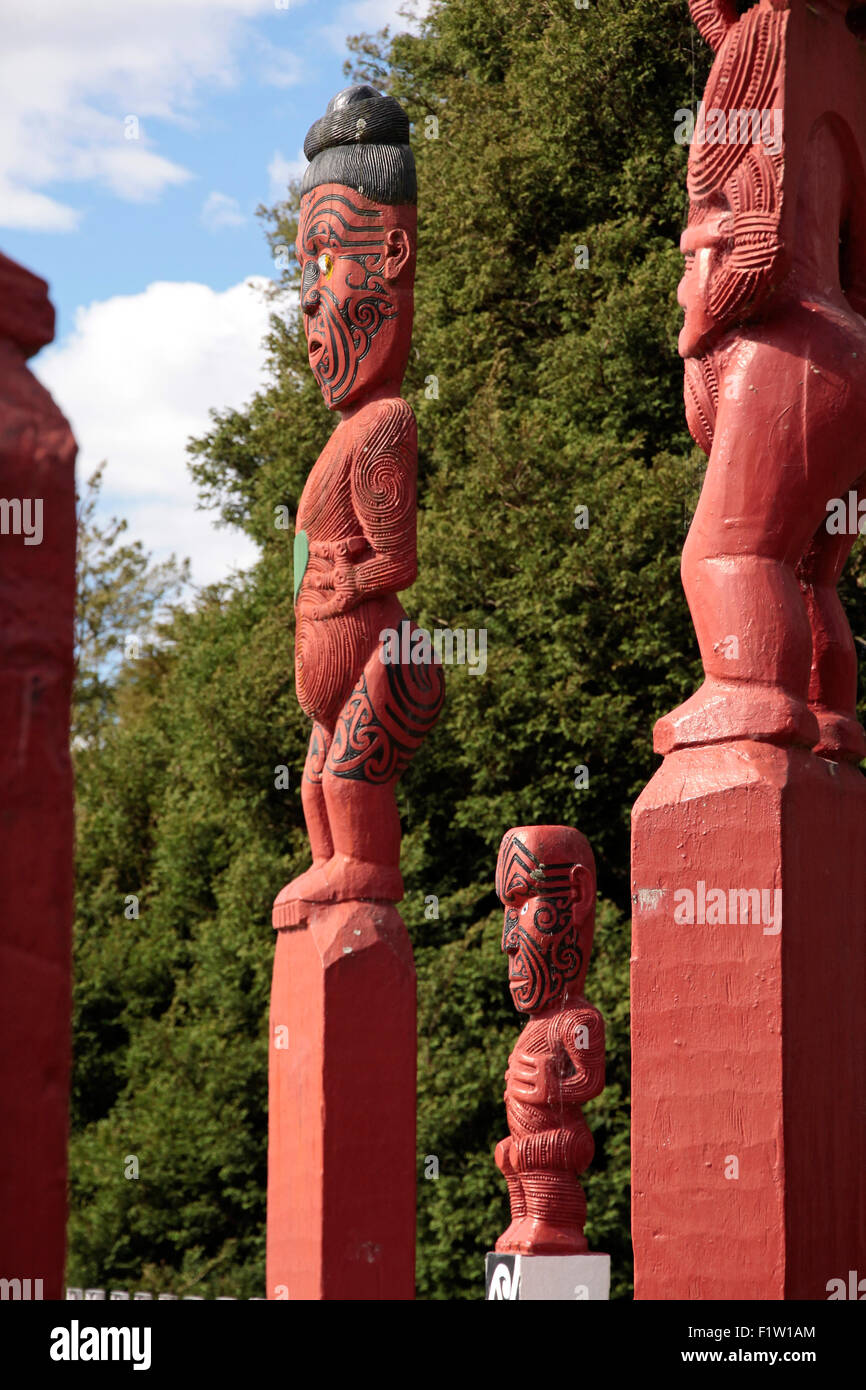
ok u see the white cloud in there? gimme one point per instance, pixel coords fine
(221, 211)
(369, 16)
(136, 377)
(281, 171)
(71, 71)
(280, 67)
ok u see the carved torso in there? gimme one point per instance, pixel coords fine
(358, 507)
(569, 1047)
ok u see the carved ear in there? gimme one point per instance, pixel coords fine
(582, 887)
(714, 18)
(397, 251)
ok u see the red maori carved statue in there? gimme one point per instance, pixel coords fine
(545, 878)
(342, 1085)
(355, 538)
(735, 1109)
(775, 373)
(37, 605)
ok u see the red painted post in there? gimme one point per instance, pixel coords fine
(749, 844)
(37, 609)
(341, 1154)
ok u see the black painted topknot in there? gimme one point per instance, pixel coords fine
(362, 141)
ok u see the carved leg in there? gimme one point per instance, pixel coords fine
(739, 575)
(781, 449)
(516, 1197)
(756, 646)
(377, 733)
(555, 1215)
(833, 686)
(315, 815)
(548, 1164)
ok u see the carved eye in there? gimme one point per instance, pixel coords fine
(325, 263)
(524, 909)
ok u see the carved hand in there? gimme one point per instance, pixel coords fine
(529, 1077)
(343, 580)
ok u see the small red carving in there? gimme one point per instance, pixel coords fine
(545, 878)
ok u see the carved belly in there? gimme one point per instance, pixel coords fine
(330, 655)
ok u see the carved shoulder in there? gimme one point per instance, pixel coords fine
(383, 426)
(714, 18)
(579, 1032)
(384, 469)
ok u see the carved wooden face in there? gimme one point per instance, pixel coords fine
(546, 905)
(704, 246)
(357, 262)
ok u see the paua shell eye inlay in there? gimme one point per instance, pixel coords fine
(300, 557)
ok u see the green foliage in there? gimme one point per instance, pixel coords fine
(121, 596)
(557, 387)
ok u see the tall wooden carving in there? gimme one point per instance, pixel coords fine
(749, 844)
(37, 610)
(342, 1131)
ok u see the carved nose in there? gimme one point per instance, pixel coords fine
(309, 288)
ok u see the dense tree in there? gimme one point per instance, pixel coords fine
(122, 596)
(545, 379)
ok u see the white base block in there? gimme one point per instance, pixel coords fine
(561, 1278)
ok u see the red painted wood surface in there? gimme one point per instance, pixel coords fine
(749, 1044)
(37, 603)
(341, 1153)
(749, 1059)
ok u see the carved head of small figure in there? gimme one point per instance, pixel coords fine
(356, 246)
(545, 879)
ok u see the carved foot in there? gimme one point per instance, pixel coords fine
(300, 886)
(503, 1246)
(339, 879)
(725, 713)
(841, 739)
(533, 1235)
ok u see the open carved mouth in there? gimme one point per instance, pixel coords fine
(315, 345)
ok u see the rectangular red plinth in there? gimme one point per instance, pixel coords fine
(341, 1149)
(748, 1036)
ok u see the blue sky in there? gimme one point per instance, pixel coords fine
(150, 244)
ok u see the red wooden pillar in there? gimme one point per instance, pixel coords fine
(341, 1152)
(37, 606)
(748, 1036)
